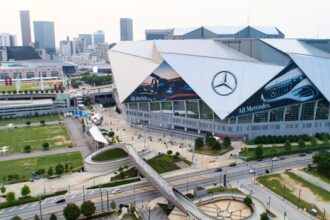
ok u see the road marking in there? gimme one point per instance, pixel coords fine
(34, 204)
(23, 207)
(12, 209)
(44, 202)
(91, 193)
(74, 195)
(53, 200)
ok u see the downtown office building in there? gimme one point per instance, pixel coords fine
(236, 87)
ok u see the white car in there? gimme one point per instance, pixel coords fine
(252, 171)
(115, 191)
(275, 159)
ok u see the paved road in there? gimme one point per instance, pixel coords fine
(142, 192)
(312, 179)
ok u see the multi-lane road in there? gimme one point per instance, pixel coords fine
(143, 192)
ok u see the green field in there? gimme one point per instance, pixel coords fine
(16, 139)
(25, 167)
(37, 119)
(111, 154)
(165, 163)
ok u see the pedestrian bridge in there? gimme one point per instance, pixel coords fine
(173, 195)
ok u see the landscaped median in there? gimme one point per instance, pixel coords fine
(297, 190)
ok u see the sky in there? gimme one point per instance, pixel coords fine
(295, 18)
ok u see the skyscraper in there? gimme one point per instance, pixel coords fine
(25, 28)
(7, 40)
(87, 38)
(126, 29)
(44, 35)
(98, 37)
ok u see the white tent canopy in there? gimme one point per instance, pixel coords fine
(97, 135)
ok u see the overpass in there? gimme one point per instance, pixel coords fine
(173, 195)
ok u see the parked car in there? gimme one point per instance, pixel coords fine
(282, 158)
(219, 169)
(115, 191)
(232, 164)
(252, 171)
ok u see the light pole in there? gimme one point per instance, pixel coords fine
(84, 193)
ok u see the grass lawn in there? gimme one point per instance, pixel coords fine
(28, 86)
(274, 183)
(223, 189)
(37, 119)
(55, 135)
(206, 150)
(165, 163)
(129, 173)
(323, 194)
(316, 174)
(25, 167)
(115, 183)
(112, 154)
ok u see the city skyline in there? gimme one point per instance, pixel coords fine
(287, 16)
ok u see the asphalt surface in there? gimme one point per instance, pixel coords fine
(142, 192)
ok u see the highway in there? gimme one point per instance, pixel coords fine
(142, 192)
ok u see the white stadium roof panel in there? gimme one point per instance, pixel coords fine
(270, 30)
(129, 71)
(136, 48)
(203, 48)
(293, 46)
(317, 70)
(183, 31)
(201, 71)
(224, 30)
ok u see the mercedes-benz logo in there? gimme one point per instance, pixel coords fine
(224, 83)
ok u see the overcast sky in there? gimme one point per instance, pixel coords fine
(296, 18)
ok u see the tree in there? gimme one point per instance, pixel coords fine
(169, 152)
(259, 151)
(27, 149)
(325, 139)
(16, 218)
(264, 216)
(301, 143)
(42, 122)
(87, 208)
(313, 141)
(59, 169)
(28, 123)
(132, 208)
(36, 217)
(287, 146)
(273, 149)
(3, 189)
(245, 151)
(10, 197)
(199, 143)
(45, 146)
(322, 161)
(226, 142)
(216, 145)
(71, 211)
(248, 201)
(50, 171)
(113, 204)
(176, 155)
(111, 134)
(25, 191)
(53, 217)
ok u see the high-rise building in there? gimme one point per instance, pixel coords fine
(25, 28)
(98, 37)
(44, 35)
(87, 39)
(126, 29)
(66, 47)
(7, 40)
(102, 51)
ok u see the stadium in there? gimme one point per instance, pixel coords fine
(240, 88)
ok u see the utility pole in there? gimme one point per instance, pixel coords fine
(101, 201)
(271, 169)
(108, 201)
(40, 208)
(84, 193)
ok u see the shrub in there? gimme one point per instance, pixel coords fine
(59, 169)
(36, 217)
(40, 172)
(10, 197)
(113, 204)
(313, 141)
(325, 139)
(264, 216)
(45, 146)
(42, 122)
(216, 145)
(169, 152)
(87, 208)
(50, 171)
(71, 211)
(27, 149)
(248, 201)
(28, 123)
(176, 155)
(53, 217)
(301, 143)
(16, 218)
(3, 189)
(25, 191)
(111, 134)
(199, 143)
(226, 141)
(287, 145)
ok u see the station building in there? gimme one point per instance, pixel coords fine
(237, 87)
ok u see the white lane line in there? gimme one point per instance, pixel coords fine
(34, 204)
(23, 207)
(42, 203)
(53, 200)
(91, 193)
(12, 209)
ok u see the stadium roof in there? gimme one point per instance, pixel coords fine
(198, 61)
(97, 135)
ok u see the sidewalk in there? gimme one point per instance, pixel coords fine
(312, 179)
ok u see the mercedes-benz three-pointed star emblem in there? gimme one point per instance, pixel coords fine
(224, 83)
